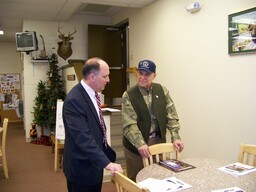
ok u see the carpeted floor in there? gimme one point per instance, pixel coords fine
(31, 166)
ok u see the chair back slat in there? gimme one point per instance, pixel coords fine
(247, 154)
(161, 151)
(124, 184)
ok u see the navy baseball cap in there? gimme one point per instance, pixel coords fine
(147, 65)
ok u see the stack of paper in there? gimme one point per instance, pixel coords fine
(233, 189)
(171, 184)
(237, 169)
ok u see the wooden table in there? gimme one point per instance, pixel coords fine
(57, 150)
(205, 177)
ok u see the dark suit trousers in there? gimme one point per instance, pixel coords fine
(72, 187)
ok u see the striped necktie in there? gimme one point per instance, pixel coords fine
(101, 118)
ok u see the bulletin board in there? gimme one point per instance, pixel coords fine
(10, 93)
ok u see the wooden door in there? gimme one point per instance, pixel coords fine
(109, 43)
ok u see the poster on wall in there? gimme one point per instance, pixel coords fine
(60, 131)
(9, 83)
(9, 90)
(2, 97)
(242, 32)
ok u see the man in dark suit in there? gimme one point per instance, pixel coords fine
(86, 152)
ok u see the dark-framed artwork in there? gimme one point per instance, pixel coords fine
(242, 32)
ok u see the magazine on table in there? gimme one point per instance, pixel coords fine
(171, 184)
(176, 165)
(237, 169)
(233, 189)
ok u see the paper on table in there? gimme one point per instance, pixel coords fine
(171, 184)
(154, 185)
(237, 169)
(110, 109)
(179, 184)
(233, 189)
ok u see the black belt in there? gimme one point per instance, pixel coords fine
(154, 134)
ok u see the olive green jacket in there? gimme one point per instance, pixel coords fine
(137, 117)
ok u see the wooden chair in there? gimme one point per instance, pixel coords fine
(247, 154)
(124, 184)
(57, 149)
(161, 151)
(3, 148)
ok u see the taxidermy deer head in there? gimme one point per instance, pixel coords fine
(64, 47)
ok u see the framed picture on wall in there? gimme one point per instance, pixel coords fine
(242, 32)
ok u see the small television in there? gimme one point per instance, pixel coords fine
(26, 41)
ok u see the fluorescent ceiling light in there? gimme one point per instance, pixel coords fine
(1, 31)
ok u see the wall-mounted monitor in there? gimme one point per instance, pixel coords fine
(26, 41)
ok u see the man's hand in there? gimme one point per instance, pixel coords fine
(144, 151)
(178, 145)
(112, 167)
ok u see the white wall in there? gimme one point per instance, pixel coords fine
(9, 58)
(214, 93)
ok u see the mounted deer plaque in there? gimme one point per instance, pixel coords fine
(64, 47)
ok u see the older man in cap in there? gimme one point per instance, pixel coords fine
(147, 111)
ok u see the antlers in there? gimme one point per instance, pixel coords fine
(64, 47)
(62, 35)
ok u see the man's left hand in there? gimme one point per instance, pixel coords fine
(178, 145)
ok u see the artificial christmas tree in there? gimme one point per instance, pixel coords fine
(40, 110)
(45, 102)
(55, 88)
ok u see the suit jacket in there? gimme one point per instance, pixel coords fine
(85, 155)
